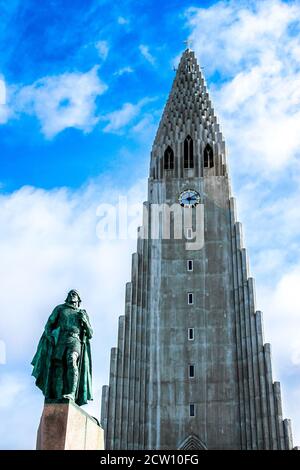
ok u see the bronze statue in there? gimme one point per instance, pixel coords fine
(62, 364)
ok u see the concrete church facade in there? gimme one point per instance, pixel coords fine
(191, 370)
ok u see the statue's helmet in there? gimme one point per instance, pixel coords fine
(73, 291)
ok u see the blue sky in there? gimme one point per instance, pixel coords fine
(82, 88)
(55, 37)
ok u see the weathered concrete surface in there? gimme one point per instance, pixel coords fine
(65, 426)
(147, 403)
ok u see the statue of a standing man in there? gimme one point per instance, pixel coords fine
(62, 364)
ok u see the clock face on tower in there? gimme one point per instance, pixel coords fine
(189, 198)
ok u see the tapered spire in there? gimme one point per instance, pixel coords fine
(188, 112)
(189, 104)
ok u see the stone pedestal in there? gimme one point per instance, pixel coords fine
(65, 426)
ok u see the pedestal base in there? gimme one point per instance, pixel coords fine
(65, 426)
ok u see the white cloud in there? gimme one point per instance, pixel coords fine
(62, 101)
(4, 110)
(283, 317)
(124, 70)
(145, 129)
(272, 214)
(253, 47)
(271, 220)
(144, 50)
(122, 117)
(122, 20)
(2, 92)
(10, 387)
(143, 124)
(21, 407)
(2, 352)
(103, 49)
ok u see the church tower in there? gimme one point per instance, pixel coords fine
(191, 370)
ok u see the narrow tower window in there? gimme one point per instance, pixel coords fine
(191, 371)
(188, 152)
(190, 298)
(192, 409)
(169, 159)
(190, 265)
(208, 157)
(191, 334)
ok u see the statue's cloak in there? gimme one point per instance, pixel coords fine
(43, 367)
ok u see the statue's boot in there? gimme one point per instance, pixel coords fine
(72, 394)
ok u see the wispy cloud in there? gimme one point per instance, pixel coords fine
(4, 110)
(2, 352)
(272, 225)
(10, 388)
(122, 20)
(144, 50)
(124, 70)
(103, 49)
(16, 387)
(120, 118)
(279, 300)
(62, 101)
(2, 92)
(145, 129)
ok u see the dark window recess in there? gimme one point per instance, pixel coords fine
(190, 265)
(208, 157)
(191, 372)
(190, 299)
(188, 152)
(191, 334)
(192, 409)
(169, 159)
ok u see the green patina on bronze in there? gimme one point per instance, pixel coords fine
(62, 364)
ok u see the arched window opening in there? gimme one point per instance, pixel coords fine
(208, 157)
(169, 159)
(188, 153)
